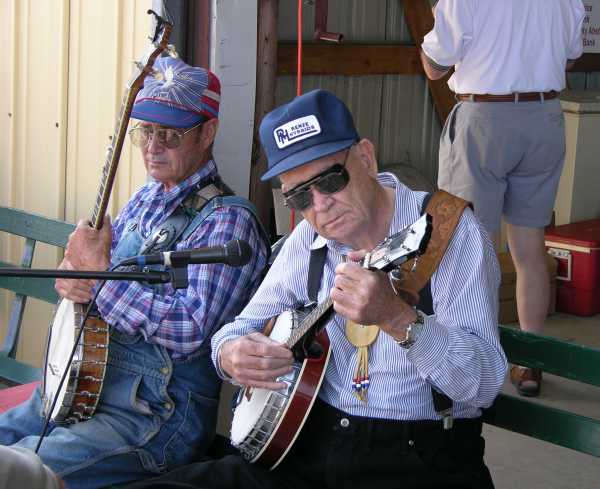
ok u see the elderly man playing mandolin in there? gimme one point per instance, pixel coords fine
(396, 398)
(157, 408)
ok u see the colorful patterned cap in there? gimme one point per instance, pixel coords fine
(178, 95)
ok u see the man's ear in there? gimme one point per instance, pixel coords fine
(366, 153)
(209, 132)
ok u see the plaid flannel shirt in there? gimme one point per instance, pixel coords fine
(181, 320)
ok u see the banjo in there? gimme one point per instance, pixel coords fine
(77, 398)
(266, 423)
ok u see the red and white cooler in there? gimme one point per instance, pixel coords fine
(576, 246)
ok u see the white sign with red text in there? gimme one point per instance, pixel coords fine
(591, 26)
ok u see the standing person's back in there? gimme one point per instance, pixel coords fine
(503, 144)
(508, 46)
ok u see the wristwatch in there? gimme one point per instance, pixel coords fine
(412, 331)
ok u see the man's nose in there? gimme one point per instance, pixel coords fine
(320, 201)
(153, 145)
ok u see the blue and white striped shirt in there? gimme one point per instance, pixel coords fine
(458, 350)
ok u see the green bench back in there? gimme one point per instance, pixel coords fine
(33, 228)
(547, 423)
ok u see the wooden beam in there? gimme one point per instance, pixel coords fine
(350, 59)
(266, 78)
(419, 18)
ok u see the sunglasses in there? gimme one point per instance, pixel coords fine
(328, 182)
(167, 137)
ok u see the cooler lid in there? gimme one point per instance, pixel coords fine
(584, 233)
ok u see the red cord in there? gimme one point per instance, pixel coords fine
(299, 69)
(298, 85)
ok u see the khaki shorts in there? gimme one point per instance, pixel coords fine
(506, 158)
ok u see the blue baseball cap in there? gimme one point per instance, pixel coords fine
(178, 95)
(312, 126)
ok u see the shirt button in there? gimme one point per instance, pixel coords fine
(168, 406)
(164, 370)
(344, 422)
(411, 443)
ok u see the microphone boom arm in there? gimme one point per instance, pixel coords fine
(145, 275)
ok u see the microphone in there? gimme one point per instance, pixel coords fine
(234, 253)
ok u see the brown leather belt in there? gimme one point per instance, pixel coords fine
(512, 97)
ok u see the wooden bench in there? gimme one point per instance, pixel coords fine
(35, 229)
(530, 417)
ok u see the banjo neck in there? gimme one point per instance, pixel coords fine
(134, 85)
(391, 253)
(309, 322)
(113, 153)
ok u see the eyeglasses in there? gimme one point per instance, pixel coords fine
(167, 137)
(329, 182)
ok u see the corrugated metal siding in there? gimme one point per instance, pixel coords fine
(394, 111)
(65, 66)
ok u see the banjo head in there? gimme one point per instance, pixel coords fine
(256, 412)
(61, 337)
(77, 398)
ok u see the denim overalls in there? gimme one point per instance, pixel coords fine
(154, 413)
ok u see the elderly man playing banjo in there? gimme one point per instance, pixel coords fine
(398, 402)
(157, 408)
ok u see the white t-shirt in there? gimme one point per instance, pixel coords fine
(505, 46)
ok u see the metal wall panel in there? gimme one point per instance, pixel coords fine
(105, 38)
(32, 149)
(66, 64)
(394, 111)
(358, 20)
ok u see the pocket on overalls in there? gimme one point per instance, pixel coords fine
(124, 375)
(196, 430)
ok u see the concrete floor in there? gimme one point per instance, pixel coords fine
(517, 461)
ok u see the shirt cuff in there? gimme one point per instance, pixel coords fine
(216, 358)
(430, 348)
(435, 65)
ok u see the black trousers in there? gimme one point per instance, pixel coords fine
(335, 451)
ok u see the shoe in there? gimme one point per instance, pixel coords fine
(528, 381)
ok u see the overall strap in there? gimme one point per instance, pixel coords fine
(211, 197)
(221, 201)
(173, 229)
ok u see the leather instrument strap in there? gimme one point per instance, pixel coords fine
(445, 210)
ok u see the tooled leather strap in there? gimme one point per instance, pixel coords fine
(445, 210)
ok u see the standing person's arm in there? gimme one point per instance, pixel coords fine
(432, 69)
(575, 49)
(447, 42)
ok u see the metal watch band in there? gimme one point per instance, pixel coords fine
(412, 331)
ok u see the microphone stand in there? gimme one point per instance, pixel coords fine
(176, 275)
